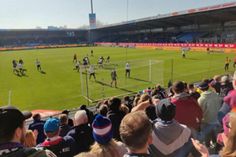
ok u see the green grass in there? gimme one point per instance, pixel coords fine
(60, 87)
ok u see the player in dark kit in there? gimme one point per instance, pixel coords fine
(227, 61)
(38, 65)
(91, 53)
(75, 58)
(108, 59)
(114, 78)
(14, 65)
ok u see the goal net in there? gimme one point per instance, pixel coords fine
(143, 74)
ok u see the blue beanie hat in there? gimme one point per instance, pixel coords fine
(102, 129)
(52, 125)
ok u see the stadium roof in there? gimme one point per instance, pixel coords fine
(207, 15)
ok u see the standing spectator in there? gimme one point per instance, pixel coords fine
(136, 134)
(128, 102)
(12, 134)
(210, 104)
(115, 115)
(170, 138)
(38, 125)
(70, 121)
(102, 110)
(81, 132)
(61, 146)
(188, 112)
(64, 127)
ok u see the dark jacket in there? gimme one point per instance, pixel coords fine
(61, 147)
(115, 117)
(83, 137)
(64, 129)
(12, 149)
(38, 125)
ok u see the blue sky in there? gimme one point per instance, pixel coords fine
(74, 13)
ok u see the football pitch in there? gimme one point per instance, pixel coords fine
(61, 87)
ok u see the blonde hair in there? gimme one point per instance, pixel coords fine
(30, 139)
(108, 150)
(229, 149)
(143, 98)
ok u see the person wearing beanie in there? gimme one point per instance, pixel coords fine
(105, 145)
(210, 104)
(61, 146)
(136, 134)
(170, 138)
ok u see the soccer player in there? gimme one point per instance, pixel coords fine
(14, 65)
(127, 70)
(100, 62)
(92, 72)
(77, 66)
(183, 53)
(108, 59)
(114, 78)
(20, 67)
(227, 61)
(234, 65)
(75, 58)
(38, 65)
(91, 53)
(21, 62)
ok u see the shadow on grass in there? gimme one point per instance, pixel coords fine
(137, 79)
(43, 72)
(108, 85)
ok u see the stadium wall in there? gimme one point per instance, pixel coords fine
(200, 47)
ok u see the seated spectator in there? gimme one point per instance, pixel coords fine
(188, 112)
(61, 146)
(81, 132)
(12, 134)
(210, 104)
(215, 84)
(105, 145)
(192, 91)
(226, 86)
(64, 127)
(229, 100)
(30, 139)
(128, 102)
(159, 92)
(229, 149)
(38, 125)
(102, 110)
(115, 115)
(170, 138)
(89, 113)
(136, 134)
(124, 109)
(70, 121)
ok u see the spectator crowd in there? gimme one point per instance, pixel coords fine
(184, 120)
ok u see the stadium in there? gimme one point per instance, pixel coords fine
(132, 63)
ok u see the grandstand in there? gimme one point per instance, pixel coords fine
(213, 24)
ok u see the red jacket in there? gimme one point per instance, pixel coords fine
(188, 112)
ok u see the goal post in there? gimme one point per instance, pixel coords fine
(144, 74)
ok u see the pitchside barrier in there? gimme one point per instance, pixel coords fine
(202, 47)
